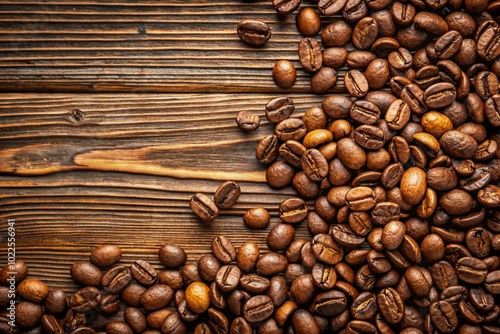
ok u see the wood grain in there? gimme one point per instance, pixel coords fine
(191, 139)
(118, 46)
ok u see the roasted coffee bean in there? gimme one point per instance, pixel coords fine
(135, 319)
(223, 249)
(365, 33)
(285, 7)
(157, 297)
(204, 207)
(443, 316)
(253, 32)
(173, 324)
(254, 283)
(310, 54)
(324, 276)
(197, 297)
(364, 306)
(377, 73)
(458, 144)
(247, 120)
(419, 280)
(492, 110)
(280, 237)
(448, 44)
(456, 202)
(247, 256)
(143, 272)
(279, 109)
(279, 175)
(492, 282)
(110, 304)
(84, 299)
(171, 255)
(291, 129)
(133, 292)
(336, 33)
(354, 10)
(328, 7)
(271, 264)
(33, 290)
(391, 305)
(314, 165)
(284, 75)
(256, 218)
(360, 59)
(55, 302)
(365, 112)
(324, 80)
(208, 265)
(228, 278)
(414, 96)
(360, 326)
(227, 194)
(443, 275)
(258, 308)
(345, 236)
(50, 324)
(303, 322)
(105, 255)
(356, 83)
(471, 270)
(360, 199)
(116, 278)
(486, 37)
(335, 57)
(86, 274)
(439, 95)
(326, 250)
(350, 153)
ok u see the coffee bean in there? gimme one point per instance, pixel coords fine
(50, 324)
(247, 120)
(86, 274)
(324, 80)
(285, 7)
(326, 250)
(173, 324)
(414, 96)
(284, 75)
(365, 33)
(105, 255)
(223, 249)
(439, 95)
(443, 316)
(143, 272)
(228, 277)
(110, 304)
(314, 164)
(354, 10)
(204, 207)
(291, 129)
(356, 83)
(310, 55)
(32, 290)
(271, 264)
(364, 306)
(253, 32)
(419, 280)
(157, 297)
(247, 256)
(256, 218)
(329, 7)
(116, 278)
(471, 270)
(258, 308)
(488, 46)
(135, 319)
(456, 202)
(28, 315)
(84, 299)
(308, 21)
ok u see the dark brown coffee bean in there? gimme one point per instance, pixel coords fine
(391, 305)
(51, 325)
(326, 250)
(443, 275)
(471, 270)
(439, 95)
(271, 264)
(329, 7)
(365, 33)
(247, 120)
(105, 255)
(253, 32)
(247, 256)
(360, 199)
(285, 7)
(190, 273)
(204, 207)
(258, 308)
(355, 10)
(364, 306)
(310, 54)
(84, 299)
(448, 44)
(171, 255)
(337, 106)
(478, 242)
(314, 165)
(365, 112)
(279, 109)
(305, 187)
(324, 80)
(414, 96)
(143, 272)
(335, 57)
(303, 322)
(110, 304)
(279, 174)
(324, 277)
(360, 59)
(492, 110)
(173, 324)
(86, 274)
(135, 319)
(413, 185)
(131, 294)
(443, 316)
(291, 129)
(345, 236)
(157, 297)
(456, 202)
(458, 144)
(284, 75)
(419, 280)
(403, 13)
(116, 279)
(492, 282)
(356, 83)
(223, 249)
(336, 33)
(488, 47)
(308, 21)
(431, 22)
(377, 73)
(227, 194)
(280, 237)
(256, 218)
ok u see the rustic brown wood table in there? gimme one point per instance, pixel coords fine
(114, 113)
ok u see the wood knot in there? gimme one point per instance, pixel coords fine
(77, 116)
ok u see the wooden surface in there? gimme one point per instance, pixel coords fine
(85, 160)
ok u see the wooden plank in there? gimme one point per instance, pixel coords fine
(60, 217)
(112, 46)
